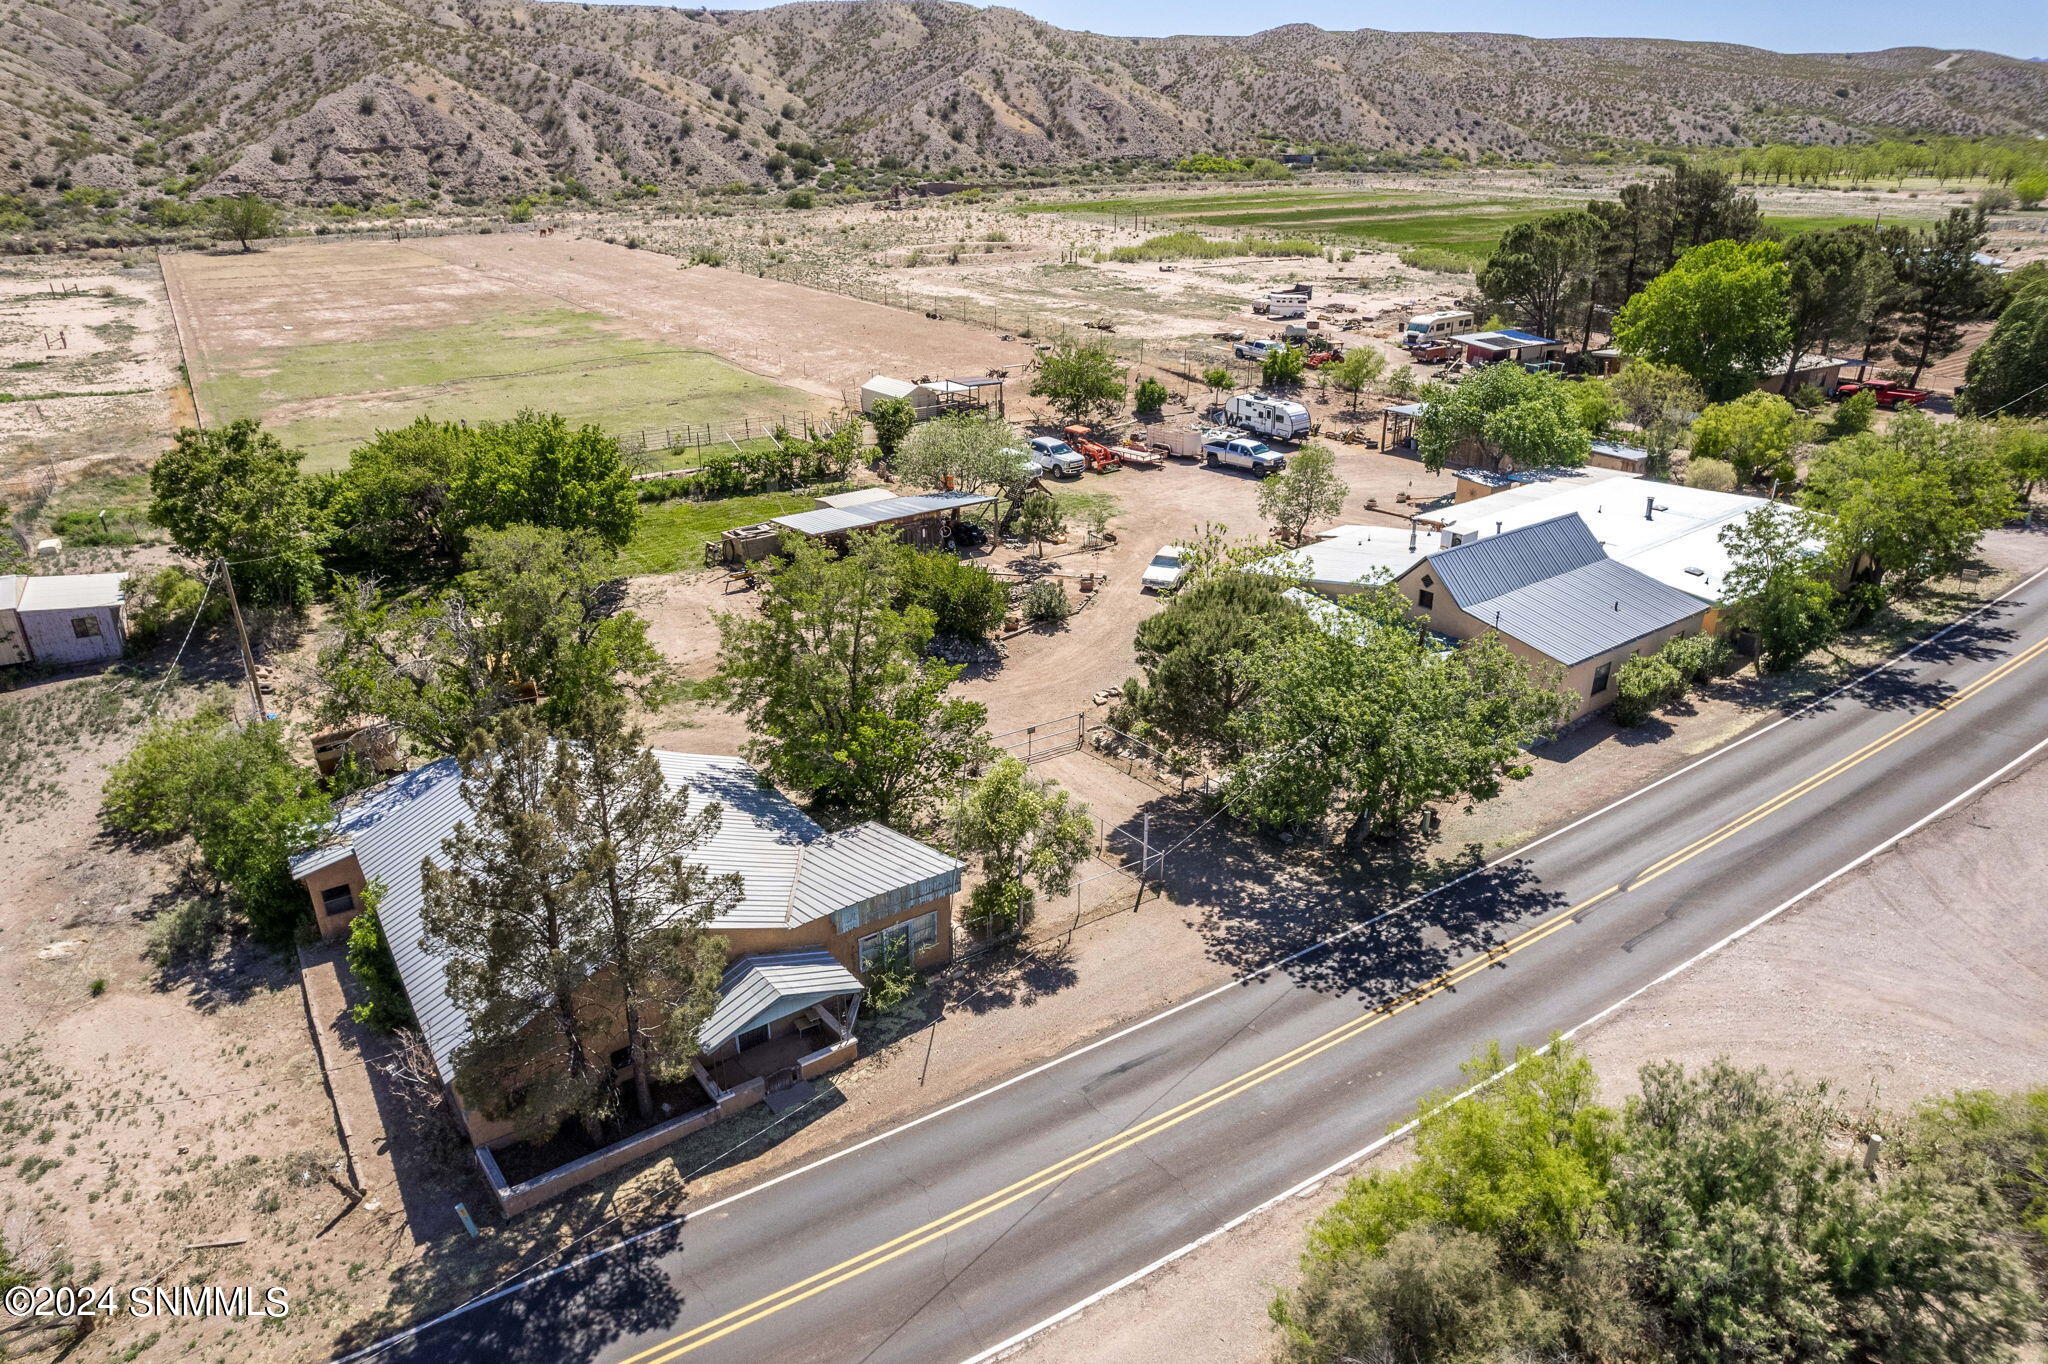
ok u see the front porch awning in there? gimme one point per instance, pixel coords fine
(757, 991)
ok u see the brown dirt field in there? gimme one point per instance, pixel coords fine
(823, 343)
(84, 328)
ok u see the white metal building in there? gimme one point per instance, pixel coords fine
(63, 618)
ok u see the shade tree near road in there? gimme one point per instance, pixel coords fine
(1715, 1217)
(633, 839)
(566, 903)
(1780, 585)
(843, 702)
(1028, 837)
(1196, 657)
(1912, 504)
(1357, 716)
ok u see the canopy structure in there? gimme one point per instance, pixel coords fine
(758, 991)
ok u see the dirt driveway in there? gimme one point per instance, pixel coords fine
(823, 343)
(1048, 674)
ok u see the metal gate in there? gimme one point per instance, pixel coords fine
(1045, 740)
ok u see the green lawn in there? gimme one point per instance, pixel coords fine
(671, 535)
(327, 398)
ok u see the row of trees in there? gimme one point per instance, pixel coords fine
(1713, 1217)
(406, 506)
(1693, 278)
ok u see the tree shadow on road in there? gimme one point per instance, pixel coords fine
(1263, 902)
(573, 1316)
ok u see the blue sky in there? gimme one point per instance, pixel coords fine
(2016, 27)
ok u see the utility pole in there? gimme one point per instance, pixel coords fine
(242, 634)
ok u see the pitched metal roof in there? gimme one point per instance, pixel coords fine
(72, 592)
(1485, 569)
(760, 990)
(1552, 587)
(825, 520)
(791, 870)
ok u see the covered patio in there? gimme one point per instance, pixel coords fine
(780, 1019)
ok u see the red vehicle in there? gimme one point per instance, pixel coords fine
(1317, 359)
(1099, 456)
(1888, 395)
(1433, 355)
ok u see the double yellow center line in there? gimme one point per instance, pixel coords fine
(1144, 1130)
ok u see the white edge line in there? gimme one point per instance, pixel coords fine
(1189, 1003)
(1398, 1133)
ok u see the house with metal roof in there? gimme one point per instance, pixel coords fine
(1556, 598)
(1667, 530)
(817, 910)
(1485, 348)
(62, 618)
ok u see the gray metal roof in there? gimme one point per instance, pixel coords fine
(10, 590)
(760, 990)
(792, 871)
(1484, 569)
(72, 592)
(1552, 587)
(826, 520)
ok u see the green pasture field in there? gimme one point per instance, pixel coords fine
(1467, 227)
(327, 398)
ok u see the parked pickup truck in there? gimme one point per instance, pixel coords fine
(1051, 455)
(1241, 452)
(1255, 350)
(1888, 395)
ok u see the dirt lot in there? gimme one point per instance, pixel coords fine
(89, 351)
(823, 343)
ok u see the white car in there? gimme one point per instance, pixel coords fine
(1254, 350)
(1163, 573)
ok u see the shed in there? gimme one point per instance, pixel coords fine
(933, 397)
(68, 617)
(1612, 454)
(1821, 371)
(13, 645)
(924, 520)
(1483, 348)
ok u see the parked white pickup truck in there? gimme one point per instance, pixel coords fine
(1240, 451)
(1051, 455)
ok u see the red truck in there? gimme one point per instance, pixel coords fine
(1888, 396)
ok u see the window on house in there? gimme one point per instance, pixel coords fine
(917, 935)
(1600, 676)
(1425, 599)
(85, 627)
(338, 900)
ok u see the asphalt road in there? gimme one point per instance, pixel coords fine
(947, 1236)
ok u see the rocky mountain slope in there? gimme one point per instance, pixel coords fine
(341, 100)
